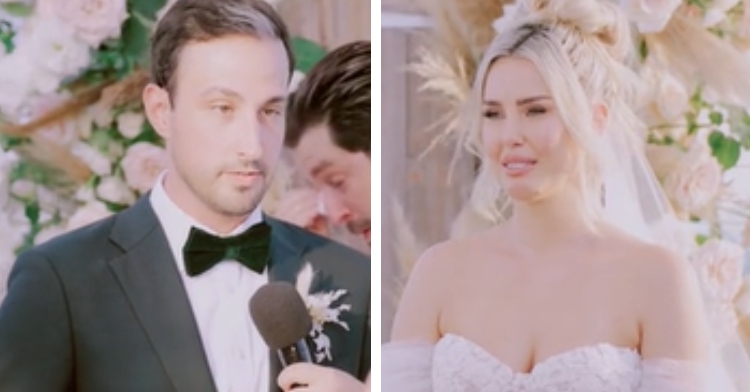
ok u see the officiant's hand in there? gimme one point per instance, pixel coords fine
(301, 207)
(317, 379)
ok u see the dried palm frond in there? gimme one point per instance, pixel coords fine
(449, 80)
(691, 52)
(66, 110)
(461, 31)
(127, 91)
(64, 171)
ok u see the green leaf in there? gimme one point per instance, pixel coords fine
(18, 9)
(32, 212)
(701, 239)
(6, 36)
(135, 38)
(307, 53)
(726, 150)
(643, 49)
(147, 8)
(716, 118)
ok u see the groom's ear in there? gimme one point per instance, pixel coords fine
(601, 117)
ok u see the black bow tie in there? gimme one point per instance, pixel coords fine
(251, 248)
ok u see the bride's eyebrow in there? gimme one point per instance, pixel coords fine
(533, 99)
(522, 101)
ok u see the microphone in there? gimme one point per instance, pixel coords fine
(283, 321)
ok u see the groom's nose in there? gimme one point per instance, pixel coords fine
(335, 209)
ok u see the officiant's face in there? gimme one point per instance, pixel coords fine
(225, 128)
(522, 132)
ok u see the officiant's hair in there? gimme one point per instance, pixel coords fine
(200, 21)
(336, 92)
(581, 49)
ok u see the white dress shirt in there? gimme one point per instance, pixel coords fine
(237, 355)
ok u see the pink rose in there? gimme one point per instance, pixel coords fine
(142, 164)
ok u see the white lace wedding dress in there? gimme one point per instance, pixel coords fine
(455, 364)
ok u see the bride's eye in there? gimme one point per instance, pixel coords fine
(490, 114)
(537, 110)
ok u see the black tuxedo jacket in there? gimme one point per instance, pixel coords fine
(103, 309)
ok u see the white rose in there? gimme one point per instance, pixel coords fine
(23, 189)
(17, 84)
(297, 77)
(114, 190)
(695, 180)
(673, 99)
(130, 124)
(719, 266)
(651, 16)
(142, 164)
(95, 160)
(88, 214)
(48, 199)
(53, 40)
(94, 20)
(85, 194)
(49, 233)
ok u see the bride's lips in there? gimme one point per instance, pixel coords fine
(516, 166)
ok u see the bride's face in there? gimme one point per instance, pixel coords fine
(522, 132)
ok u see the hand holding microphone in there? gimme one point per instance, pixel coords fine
(283, 321)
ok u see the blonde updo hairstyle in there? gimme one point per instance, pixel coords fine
(580, 47)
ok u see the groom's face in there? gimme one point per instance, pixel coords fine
(224, 124)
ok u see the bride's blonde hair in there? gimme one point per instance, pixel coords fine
(581, 48)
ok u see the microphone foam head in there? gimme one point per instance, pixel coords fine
(280, 314)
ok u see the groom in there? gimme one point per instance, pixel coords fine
(155, 298)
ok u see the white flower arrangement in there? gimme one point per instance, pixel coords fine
(322, 310)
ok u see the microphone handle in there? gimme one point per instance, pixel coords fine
(298, 352)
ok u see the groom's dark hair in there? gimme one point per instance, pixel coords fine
(203, 20)
(335, 93)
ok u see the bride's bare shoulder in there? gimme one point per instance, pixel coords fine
(452, 255)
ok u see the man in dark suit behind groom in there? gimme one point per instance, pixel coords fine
(133, 303)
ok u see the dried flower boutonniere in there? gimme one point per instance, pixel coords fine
(322, 311)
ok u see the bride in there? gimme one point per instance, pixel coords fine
(574, 289)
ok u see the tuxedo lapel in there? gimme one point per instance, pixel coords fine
(286, 259)
(152, 284)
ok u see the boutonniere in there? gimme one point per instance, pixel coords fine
(322, 311)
